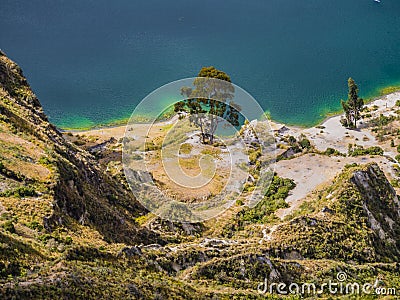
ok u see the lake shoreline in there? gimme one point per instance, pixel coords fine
(331, 126)
(328, 116)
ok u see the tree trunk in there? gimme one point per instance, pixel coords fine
(202, 135)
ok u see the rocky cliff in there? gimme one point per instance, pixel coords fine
(355, 219)
(78, 190)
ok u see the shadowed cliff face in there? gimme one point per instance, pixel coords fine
(78, 188)
(381, 208)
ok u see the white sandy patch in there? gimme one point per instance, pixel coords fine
(331, 134)
(311, 171)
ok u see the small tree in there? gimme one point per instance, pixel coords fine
(207, 104)
(353, 106)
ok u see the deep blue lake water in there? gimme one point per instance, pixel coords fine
(91, 62)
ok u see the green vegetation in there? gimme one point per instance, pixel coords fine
(331, 151)
(207, 104)
(186, 148)
(305, 143)
(273, 200)
(296, 146)
(151, 146)
(347, 217)
(45, 161)
(9, 226)
(35, 225)
(358, 150)
(74, 231)
(385, 129)
(19, 192)
(382, 120)
(389, 90)
(353, 106)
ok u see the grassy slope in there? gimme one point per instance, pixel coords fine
(66, 226)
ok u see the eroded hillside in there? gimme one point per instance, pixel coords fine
(70, 228)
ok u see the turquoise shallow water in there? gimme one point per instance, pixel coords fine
(91, 62)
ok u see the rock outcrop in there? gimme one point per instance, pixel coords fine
(80, 190)
(363, 223)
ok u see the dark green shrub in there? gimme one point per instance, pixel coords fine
(348, 166)
(305, 143)
(35, 225)
(150, 146)
(9, 226)
(20, 192)
(291, 140)
(24, 191)
(274, 199)
(68, 240)
(239, 202)
(394, 183)
(359, 150)
(86, 254)
(382, 120)
(330, 151)
(44, 161)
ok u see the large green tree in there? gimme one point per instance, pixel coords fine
(353, 106)
(209, 102)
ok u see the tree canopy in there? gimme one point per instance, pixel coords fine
(353, 106)
(207, 103)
